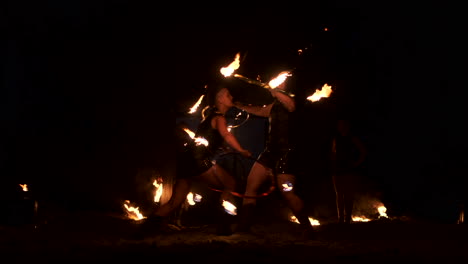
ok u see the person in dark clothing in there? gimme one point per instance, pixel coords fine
(348, 156)
(196, 155)
(276, 163)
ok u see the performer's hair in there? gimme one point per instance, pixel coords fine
(212, 90)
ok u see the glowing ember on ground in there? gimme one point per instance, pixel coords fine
(312, 221)
(382, 211)
(24, 187)
(324, 92)
(133, 212)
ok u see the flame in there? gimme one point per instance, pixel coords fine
(159, 189)
(229, 70)
(312, 221)
(24, 187)
(194, 108)
(287, 187)
(192, 198)
(279, 79)
(229, 208)
(198, 140)
(382, 211)
(360, 219)
(324, 92)
(377, 205)
(133, 212)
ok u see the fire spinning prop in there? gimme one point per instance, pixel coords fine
(324, 92)
(24, 187)
(229, 71)
(198, 140)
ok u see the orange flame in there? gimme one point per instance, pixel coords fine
(194, 108)
(159, 189)
(133, 212)
(198, 140)
(24, 187)
(312, 221)
(279, 79)
(382, 211)
(229, 208)
(232, 67)
(324, 92)
(192, 198)
(360, 219)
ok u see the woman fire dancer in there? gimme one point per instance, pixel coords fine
(195, 161)
(275, 163)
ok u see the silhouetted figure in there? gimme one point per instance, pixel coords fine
(275, 163)
(348, 155)
(195, 157)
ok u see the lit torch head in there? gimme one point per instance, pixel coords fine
(229, 208)
(232, 67)
(279, 79)
(324, 92)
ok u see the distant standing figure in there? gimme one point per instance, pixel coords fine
(348, 156)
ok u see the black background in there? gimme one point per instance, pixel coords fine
(91, 89)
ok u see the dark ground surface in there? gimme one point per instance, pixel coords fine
(97, 237)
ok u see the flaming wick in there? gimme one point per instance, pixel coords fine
(24, 187)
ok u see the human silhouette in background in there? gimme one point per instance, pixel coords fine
(195, 160)
(276, 163)
(347, 159)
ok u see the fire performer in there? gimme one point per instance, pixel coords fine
(195, 161)
(275, 163)
(348, 156)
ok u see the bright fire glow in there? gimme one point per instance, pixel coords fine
(133, 212)
(24, 187)
(287, 187)
(194, 108)
(192, 198)
(229, 208)
(312, 221)
(278, 80)
(229, 70)
(198, 140)
(159, 190)
(377, 205)
(360, 219)
(324, 92)
(382, 211)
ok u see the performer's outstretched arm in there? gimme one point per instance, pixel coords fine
(263, 111)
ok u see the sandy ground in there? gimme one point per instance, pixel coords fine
(92, 237)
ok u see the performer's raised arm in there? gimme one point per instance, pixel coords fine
(263, 111)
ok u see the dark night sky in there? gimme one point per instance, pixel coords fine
(91, 87)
